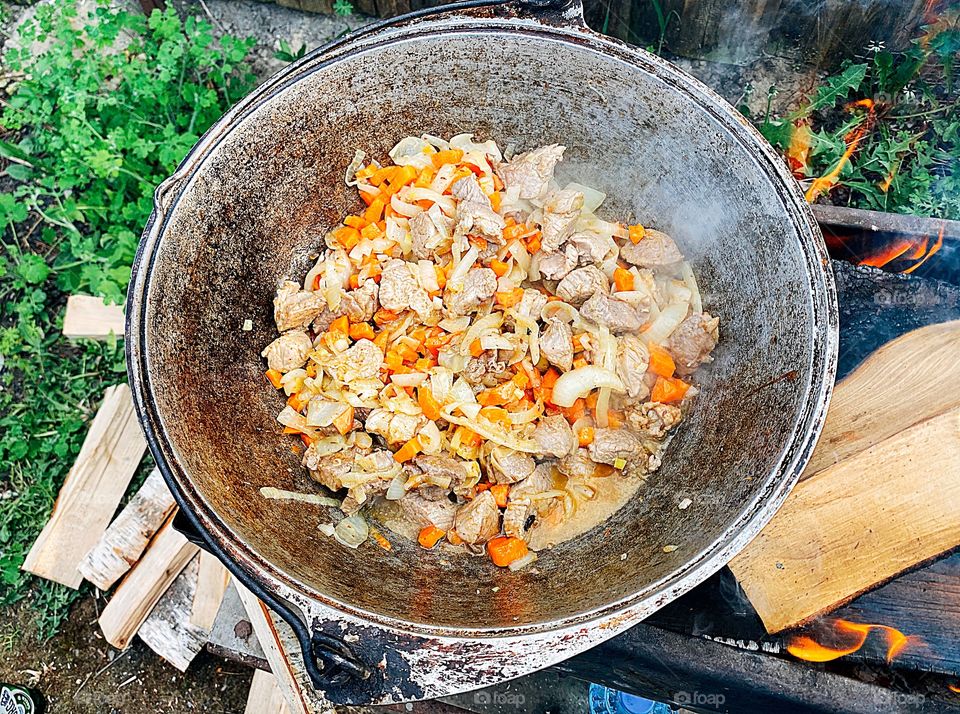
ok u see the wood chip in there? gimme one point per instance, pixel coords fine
(291, 678)
(879, 494)
(90, 317)
(212, 583)
(91, 492)
(125, 540)
(265, 696)
(135, 597)
(168, 630)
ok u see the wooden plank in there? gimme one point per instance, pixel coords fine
(90, 317)
(908, 380)
(212, 582)
(91, 492)
(857, 524)
(269, 629)
(232, 634)
(168, 630)
(135, 597)
(125, 540)
(265, 695)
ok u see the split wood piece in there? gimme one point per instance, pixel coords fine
(908, 380)
(856, 525)
(90, 317)
(91, 492)
(285, 663)
(135, 597)
(168, 630)
(212, 583)
(265, 695)
(125, 540)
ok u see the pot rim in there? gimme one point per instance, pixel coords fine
(486, 17)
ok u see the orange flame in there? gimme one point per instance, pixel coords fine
(853, 138)
(918, 249)
(855, 634)
(954, 688)
(798, 152)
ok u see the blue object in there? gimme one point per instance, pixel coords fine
(604, 700)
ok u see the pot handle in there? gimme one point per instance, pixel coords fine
(327, 659)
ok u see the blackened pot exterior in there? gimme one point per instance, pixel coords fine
(250, 204)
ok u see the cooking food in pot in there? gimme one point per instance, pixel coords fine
(479, 358)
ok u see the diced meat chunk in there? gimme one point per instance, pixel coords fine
(557, 265)
(485, 369)
(505, 465)
(361, 361)
(655, 250)
(294, 309)
(395, 428)
(515, 518)
(359, 495)
(583, 283)
(399, 291)
(478, 521)
(479, 285)
(531, 303)
(578, 465)
(693, 341)
(429, 232)
(423, 512)
(632, 361)
(608, 445)
(445, 468)
(289, 351)
(475, 215)
(653, 419)
(554, 436)
(539, 481)
(558, 219)
(556, 343)
(360, 304)
(591, 249)
(327, 470)
(531, 172)
(616, 315)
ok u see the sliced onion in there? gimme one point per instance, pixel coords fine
(427, 273)
(592, 198)
(603, 407)
(696, 301)
(396, 491)
(563, 310)
(289, 416)
(454, 325)
(533, 340)
(520, 254)
(471, 410)
(328, 445)
(430, 438)
(312, 274)
(523, 562)
(488, 324)
(496, 342)
(461, 392)
(466, 143)
(492, 432)
(411, 151)
(412, 379)
(361, 439)
(436, 141)
(579, 382)
(527, 415)
(350, 176)
(459, 274)
(453, 360)
(278, 494)
(321, 412)
(352, 531)
(441, 380)
(403, 208)
(667, 321)
(292, 381)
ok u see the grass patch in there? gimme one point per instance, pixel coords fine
(97, 120)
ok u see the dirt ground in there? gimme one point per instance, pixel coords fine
(79, 673)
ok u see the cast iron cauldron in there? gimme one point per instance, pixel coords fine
(253, 199)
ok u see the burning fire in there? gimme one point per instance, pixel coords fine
(851, 637)
(917, 249)
(853, 138)
(954, 688)
(798, 152)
